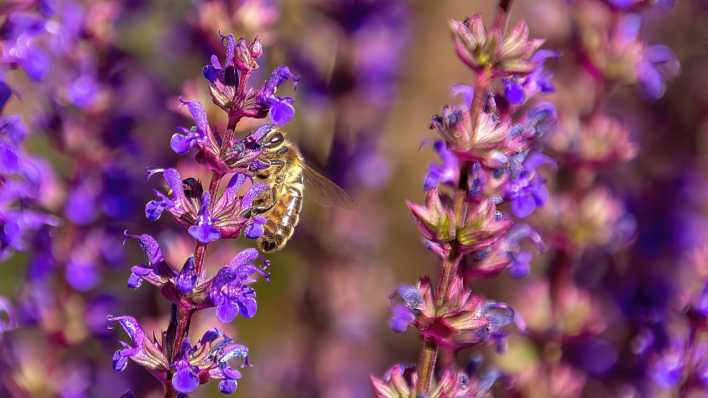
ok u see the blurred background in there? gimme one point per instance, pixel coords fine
(372, 74)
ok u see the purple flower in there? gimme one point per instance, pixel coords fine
(281, 109)
(82, 273)
(624, 3)
(225, 73)
(411, 296)
(540, 80)
(228, 386)
(11, 136)
(447, 172)
(541, 119)
(228, 376)
(514, 92)
(230, 289)
(206, 219)
(403, 315)
(185, 380)
(212, 357)
(185, 140)
(254, 228)
(154, 208)
(700, 305)
(5, 94)
(22, 178)
(12, 130)
(520, 264)
(187, 278)
(141, 350)
(520, 88)
(24, 31)
(658, 65)
(465, 91)
(156, 271)
(135, 332)
(401, 318)
(526, 189)
(669, 370)
(82, 91)
(498, 317)
(81, 205)
(228, 88)
(25, 23)
(71, 16)
(204, 231)
(35, 62)
(509, 252)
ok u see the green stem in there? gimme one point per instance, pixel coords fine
(426, 366)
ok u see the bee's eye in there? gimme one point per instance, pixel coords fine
(275, 140)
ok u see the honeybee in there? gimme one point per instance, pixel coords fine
(274, 160)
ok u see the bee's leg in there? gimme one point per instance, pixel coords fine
(262, 205)
(274, 167)
(278, 164)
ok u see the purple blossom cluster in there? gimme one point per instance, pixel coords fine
(21, 177)
(587, 219)
(49, 58)
(207, 359)
(223, 210)
(21, 174)
(490, 160)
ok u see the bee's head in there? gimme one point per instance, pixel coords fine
(244, 152)
(272, 140)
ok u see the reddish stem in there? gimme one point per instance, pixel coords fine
(502, 14)
(481, 85)
(561, 278)
(185, 309)
(429, 352)
(689, 353)
(170, 391)
(199, 255)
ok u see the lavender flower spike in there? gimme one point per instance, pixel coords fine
(488, 157)
(222, 210)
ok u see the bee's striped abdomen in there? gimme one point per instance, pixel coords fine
(282, 219)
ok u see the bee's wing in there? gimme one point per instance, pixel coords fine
(325, 191)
